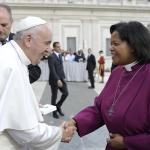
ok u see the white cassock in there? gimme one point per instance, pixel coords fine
(21, 126)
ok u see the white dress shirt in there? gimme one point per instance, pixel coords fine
(70, 57)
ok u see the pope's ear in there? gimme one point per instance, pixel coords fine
(27, 40)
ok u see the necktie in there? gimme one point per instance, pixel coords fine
(3, 42)
(59, 56)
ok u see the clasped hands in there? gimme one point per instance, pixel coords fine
(68, 130)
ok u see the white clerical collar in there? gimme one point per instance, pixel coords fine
(24, 59)
(128, 67)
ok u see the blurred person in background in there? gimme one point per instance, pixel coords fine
(90, 67)
(101, 62)
(80, 57)
(57, 79)
(70, 57)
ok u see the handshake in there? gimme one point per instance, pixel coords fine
(68, 130)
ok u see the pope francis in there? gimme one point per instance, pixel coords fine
(21, 122)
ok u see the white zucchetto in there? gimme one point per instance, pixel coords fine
(28, 22)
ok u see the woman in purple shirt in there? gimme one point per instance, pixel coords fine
(124, 103)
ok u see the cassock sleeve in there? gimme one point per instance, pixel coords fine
(89, 119)
(42, 137)
(138, 142)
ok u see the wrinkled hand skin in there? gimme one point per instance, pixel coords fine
(68, 130)
(116, 141)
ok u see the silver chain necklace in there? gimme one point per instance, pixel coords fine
(115, 100)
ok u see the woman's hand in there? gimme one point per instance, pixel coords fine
(116, 141)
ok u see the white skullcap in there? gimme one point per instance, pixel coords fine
(28, 23)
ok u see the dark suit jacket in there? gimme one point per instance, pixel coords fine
(56, 69)
(34, 70)
(91, 62)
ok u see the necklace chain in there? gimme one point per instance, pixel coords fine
(115, 100)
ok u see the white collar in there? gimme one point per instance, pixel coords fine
(128, 67)
(24, 59)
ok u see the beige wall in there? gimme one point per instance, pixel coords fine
(87, 20)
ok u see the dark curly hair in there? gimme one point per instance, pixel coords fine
(137, 37)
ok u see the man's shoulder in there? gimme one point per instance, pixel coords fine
(92, 55)
(52, 58)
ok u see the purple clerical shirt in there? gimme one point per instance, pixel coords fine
(129, 92)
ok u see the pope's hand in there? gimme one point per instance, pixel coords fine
(68, 131)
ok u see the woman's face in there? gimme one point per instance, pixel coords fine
(121, 52)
